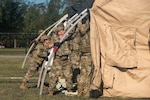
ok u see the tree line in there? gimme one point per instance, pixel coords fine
(25, 17)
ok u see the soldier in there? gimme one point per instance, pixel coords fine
(61, 67)
(39, 53)
(84, 77)
(74, 45)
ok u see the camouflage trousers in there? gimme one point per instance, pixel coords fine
(60, 69)
(33, 68)
(75, 59)
(75, 63)
(85, 73)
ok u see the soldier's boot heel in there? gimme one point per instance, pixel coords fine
(22, 86)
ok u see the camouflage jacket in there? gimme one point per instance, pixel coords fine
(85, 43)
(63, 51)
(39, 53)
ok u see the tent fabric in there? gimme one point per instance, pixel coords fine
(119, 34)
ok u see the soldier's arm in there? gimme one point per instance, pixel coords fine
(41, 52)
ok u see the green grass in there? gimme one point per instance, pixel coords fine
(12, 67)
(12, 51)
(9, 89)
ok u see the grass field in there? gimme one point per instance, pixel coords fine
(12, 51)
(9, 88)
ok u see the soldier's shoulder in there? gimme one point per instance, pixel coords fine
(40, 44)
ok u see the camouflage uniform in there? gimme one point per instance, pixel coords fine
(61, 68)
(36, 58)
(84, 77)
(74, 44)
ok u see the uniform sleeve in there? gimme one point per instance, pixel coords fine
(41, 51)
(64, 49)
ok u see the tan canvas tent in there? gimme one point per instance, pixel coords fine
(119, 32)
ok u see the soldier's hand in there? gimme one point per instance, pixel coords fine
(56, 44)
(46, 58)
(51, 45)
(48, 53)
(34, 41)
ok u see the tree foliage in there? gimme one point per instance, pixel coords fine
(11, 16)
(25, 17)
(34, 17)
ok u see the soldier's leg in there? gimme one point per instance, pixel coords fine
(55, 72)
(67, 72)
(52, 83)
(31, 71)
(81, 81)
(75, 62)
(75, 59)
(86, 91)
(88, 67)
(84, 77)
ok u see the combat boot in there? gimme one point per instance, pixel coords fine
(80, 89)
(22, 86)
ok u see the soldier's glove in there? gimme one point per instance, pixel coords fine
(56, 44)
(84, 20)
(46, 58)
(48, 53)
(34, 41)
